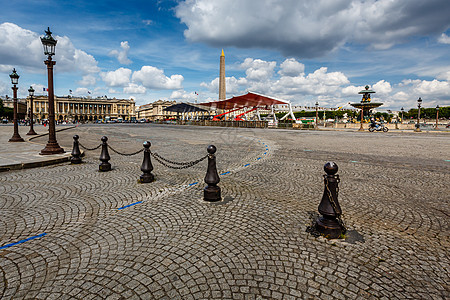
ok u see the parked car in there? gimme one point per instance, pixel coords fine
(5, 121)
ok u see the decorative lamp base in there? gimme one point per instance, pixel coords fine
(16, 139)
(31, 132)
(52, 148)
(212, 193)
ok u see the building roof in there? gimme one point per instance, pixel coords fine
(184, 107)
(250, 99)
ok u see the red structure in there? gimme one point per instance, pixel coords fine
(251, 100)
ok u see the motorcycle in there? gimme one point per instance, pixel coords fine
(377, 127)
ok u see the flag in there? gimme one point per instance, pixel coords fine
(45, 89)
(89, 92)
(196, 93)
(70, 91)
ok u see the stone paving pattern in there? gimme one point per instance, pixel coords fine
(394, 193)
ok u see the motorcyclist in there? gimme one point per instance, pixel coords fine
(373, 123)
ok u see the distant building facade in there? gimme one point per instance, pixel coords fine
(84, 109)
(155, 111)
(21, 106)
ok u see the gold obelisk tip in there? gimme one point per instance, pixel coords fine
(222, 53)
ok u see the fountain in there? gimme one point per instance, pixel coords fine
(366, 105)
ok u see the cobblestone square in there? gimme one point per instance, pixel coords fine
(80, 237)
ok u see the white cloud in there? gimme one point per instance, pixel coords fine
(233, 85)
(257, 69)
(382, 87)
(181, 95)
(119, 77)
(425, 88)
(81, 91)
(67, 57)
(122, 55)
(291, 67)
(154, 78)
(444, 39)
(133, 88)
(88, 80)
(310, 28)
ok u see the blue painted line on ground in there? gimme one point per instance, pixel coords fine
(258, 158)
(246, 165)
(23, 241)
(447, 160)
(307, 150)
(194, 183)
(129, 205)
(354, 161)
(225, 173)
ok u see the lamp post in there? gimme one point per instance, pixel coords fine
(317, 114)
(31, 94)
(419, 103)
(52, 146)
(15, 80)
(402, 113)
(362, 117)
(437, 116)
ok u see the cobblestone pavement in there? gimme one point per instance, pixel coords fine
(65, 234)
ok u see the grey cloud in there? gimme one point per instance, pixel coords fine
(310, 28)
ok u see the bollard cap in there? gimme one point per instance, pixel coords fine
(211, 149)
(104, 138)
(147, 144)
(330, 168)
(76, 137)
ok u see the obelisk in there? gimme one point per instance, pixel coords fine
(222, 88)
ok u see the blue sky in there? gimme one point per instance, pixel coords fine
(302, 51)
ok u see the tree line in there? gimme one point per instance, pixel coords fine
(427, 113)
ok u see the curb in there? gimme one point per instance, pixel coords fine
(43, 163)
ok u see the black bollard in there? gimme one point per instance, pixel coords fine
(147, 166)
(104, 156)
(212, 191)
(329, 207)
(76, 153)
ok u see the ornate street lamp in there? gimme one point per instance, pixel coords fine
(437, 116)
(31, 94)
(419, 103)
(402, 113)
(52, 146)
(15, 80)
(317, 114)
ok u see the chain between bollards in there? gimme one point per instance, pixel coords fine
(182, 165)
(125, 154)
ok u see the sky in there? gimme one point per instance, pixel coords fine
(298, 50)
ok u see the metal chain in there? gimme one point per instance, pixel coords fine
(174, 162)
(185, 165)
(125, 154)
(333, 204)
(89, 149)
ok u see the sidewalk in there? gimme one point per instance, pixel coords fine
(23, 155)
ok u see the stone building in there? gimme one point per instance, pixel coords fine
(84, 109)
(21, 106)
(155, 111)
